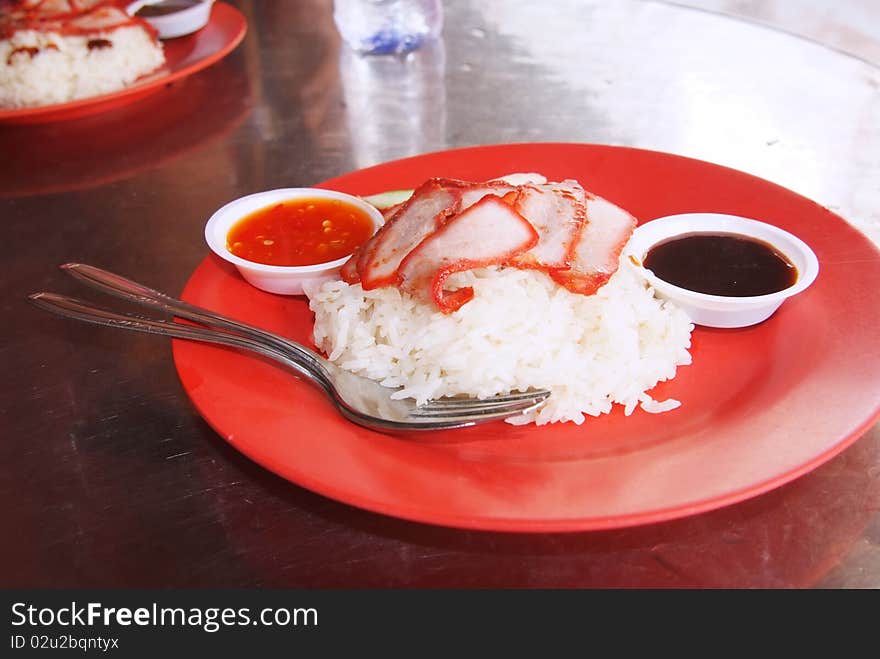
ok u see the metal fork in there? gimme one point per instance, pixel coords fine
(359, 399)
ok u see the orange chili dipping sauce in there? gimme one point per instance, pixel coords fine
(300, 232)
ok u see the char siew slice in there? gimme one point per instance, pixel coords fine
(379, 258)
(375, 264)
(597, 252)
(103, 18)
(489, 232)
(558, 212)
(471, 193)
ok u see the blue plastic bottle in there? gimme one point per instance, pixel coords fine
(382, 27)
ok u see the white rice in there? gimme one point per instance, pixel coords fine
(520, 331)
(64, 68)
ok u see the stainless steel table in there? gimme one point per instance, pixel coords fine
(111, 478)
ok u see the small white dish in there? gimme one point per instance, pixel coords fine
(284, 280)
(720, 310)
(192, 16)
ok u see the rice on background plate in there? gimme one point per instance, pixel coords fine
(520, 331)
(70, 57)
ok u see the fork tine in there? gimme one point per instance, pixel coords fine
(482, 411)
(462, 404)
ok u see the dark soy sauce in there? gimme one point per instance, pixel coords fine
(721, 264)
(164, 8)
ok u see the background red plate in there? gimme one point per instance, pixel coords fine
(183, 57)
(761, 405)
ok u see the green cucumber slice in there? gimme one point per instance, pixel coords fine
(384, 200)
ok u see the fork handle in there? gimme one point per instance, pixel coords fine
(73, 308)
(124, 288)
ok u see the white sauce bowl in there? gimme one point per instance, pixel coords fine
(720, 310)
(284, 280)
(177, 23)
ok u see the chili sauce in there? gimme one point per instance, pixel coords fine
(300, 232)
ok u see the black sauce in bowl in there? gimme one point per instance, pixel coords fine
(721, 264)
(164, 8)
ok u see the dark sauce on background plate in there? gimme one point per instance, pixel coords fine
(721, 264)
(164, 8)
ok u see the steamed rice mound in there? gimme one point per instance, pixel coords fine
(520, 331)
(43, 68)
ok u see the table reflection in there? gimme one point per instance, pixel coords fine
(403, 97)
(97, 150)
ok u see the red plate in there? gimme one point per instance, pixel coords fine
(183, 57)
(761, 405)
